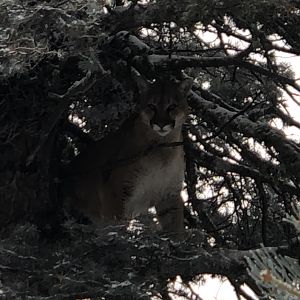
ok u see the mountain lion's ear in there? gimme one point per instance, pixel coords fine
(142, 84)
(186, 85)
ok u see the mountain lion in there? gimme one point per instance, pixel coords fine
(134, 168)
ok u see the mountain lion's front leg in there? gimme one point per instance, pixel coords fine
(170, 215)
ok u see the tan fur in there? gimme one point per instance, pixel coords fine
(129, 171)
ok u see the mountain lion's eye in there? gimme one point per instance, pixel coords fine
(152, 107)
(171, 107)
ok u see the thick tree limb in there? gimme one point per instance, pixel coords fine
(288, 151)
(132, 49)
(182, 62)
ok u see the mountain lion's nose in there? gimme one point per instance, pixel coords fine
(163, 124)
(164, 130)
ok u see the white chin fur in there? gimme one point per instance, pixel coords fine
(163, 133)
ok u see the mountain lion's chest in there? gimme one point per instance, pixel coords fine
(155, 179)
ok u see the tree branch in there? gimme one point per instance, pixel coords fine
(288, 151)
(220, 166)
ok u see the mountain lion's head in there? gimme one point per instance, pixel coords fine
(163, 104)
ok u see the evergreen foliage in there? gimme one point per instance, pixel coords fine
(278, 276)
(67, 77)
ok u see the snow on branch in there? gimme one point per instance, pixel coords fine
(183, 62)
(135, 51)
(288, 151)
